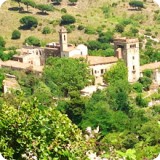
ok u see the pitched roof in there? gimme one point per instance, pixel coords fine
(20, 65)
(151, 66)
(95, 60)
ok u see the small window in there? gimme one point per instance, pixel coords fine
(102, 71)
(95, 71)
(64, 37)
(133, 57)
(133, 67)
(133, 46)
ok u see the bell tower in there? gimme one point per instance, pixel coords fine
(128, 50)
(63, 39)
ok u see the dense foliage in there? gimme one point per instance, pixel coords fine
(28, 22)
(64, 75)
(16, 34)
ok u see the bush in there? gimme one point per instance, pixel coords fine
(29, 22)
(67, 19)
(138, 87)
(119, 28)
(63, 10)
(32, 41)
(70, 28)
(46, 30)
(80, 27)
(2, 42)
(16, 34)
(90, 30)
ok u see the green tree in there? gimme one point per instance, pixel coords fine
(117, 72)
(119, 28)
(28, 3)
(31, 40)
(46, 30)
(136, 4)
(73, 1)
(2, 42)
(45, 7)
(1, 79)
(43, 93)
(67, 19)
(29, 130)
(66, 74)
(118, 90)
(16, 34)
(28, 22)
(56, 1)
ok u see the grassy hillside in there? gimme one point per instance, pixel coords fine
(88, 13)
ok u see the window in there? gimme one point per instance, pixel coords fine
(64, 37)
(133, 46)
(133, 67)
(95, 71)
(133, 57)
(101, 71)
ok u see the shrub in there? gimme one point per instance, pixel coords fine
(70, 28)
(28, 22)
(2, 42)
(119, 28)
(138, 87)
(32, 41)
(46, 30)
(80, 27)
(67, 19)
(63, 10)
(90, 30)
(16, 34)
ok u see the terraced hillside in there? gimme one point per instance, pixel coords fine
(91, 14)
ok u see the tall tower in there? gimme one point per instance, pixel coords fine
(63, 39)
(128, 50)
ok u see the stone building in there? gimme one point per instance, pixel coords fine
(128, 50)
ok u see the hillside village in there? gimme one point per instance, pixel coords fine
(127, 49)
(79, 80)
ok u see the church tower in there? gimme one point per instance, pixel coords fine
(128, 50)
(63, 39)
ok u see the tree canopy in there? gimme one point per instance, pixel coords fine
(28, 22)
(64, 75)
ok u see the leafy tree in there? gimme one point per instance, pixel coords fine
(29, 22)
(67, 19)
(118, 90)
(7, 56)
(29, 130)
(98, 113)
(43, 93)
(45, 7)
(140, 101)
(28, 3)
(73, 1)
(57, 1)
(136, 4)
(117, 72)
(2, 42)
(64, 75)
(146, 82)
(31, 40)
(1, 78)
(74, 107)
(119, 28)
(46, 30)
(16, 34)
(138, 87)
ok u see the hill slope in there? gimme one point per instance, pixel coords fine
(97, 15)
